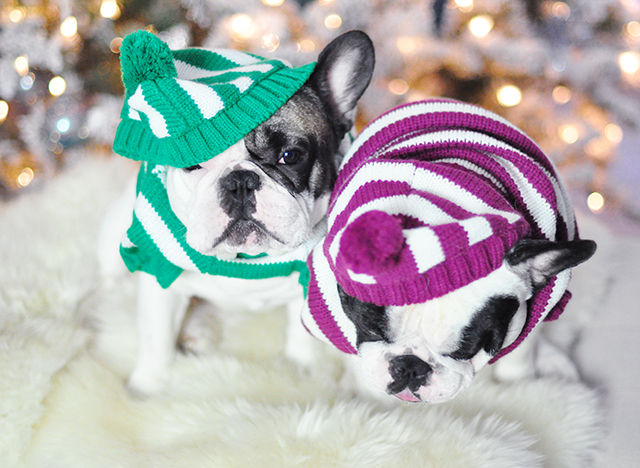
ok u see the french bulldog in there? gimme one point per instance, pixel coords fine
(265, 195)
(450, 238)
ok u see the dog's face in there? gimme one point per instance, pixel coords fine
(266, 193)
(429, 352)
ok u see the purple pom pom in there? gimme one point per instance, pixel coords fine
(372, 243)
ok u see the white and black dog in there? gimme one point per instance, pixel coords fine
(450, 238)
(266, 195)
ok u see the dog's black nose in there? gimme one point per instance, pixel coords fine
(241, 181)
(238, 197)
(408, 371)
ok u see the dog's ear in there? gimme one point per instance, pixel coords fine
(544, 259)
(342, 74)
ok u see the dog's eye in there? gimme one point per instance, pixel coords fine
(193, 168)
(487, 329)
(369, 319)
(291, 156)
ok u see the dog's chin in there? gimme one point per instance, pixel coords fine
(442, 387)
(244, 238)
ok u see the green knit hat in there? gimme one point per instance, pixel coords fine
(182, 107)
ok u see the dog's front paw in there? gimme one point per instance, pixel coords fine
(304, 353)
(300, 347)
(144, 384)
(506, 370)
(537, 358)
(519, 364)
(552, 362)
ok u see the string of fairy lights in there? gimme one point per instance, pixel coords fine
(250, 30)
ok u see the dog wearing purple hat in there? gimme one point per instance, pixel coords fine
(450, 239)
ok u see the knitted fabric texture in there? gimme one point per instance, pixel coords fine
(155, 243)
(183, 107)
(429, 198)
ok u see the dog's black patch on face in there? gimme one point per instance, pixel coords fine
(488, 328)
(297, 146)
(369, 319)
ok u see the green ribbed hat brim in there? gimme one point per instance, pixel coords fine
(135, 140)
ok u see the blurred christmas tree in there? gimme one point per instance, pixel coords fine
(567, 72)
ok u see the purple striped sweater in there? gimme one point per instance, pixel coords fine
(429, 198)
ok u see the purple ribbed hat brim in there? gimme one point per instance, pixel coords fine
(439, 280)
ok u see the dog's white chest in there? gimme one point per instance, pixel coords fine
(253, 295)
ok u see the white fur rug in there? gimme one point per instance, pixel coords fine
(67, 343)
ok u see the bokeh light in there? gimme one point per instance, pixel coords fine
(109, 9)
(561, 94)
(509, 96)
(481, 25)
(63, 125)
(69, 27)
(57, 86)
(17, 14)
(241, 25)
(306, 46)
(629, 62)
(569, 133)
(595, 202)
(398, 86)
(333, 21)
(4, 110)
(21, 64)
(464, 5)
(25, 177)
(270, 42)
(613, 133)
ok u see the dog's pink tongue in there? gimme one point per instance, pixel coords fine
(406, 395)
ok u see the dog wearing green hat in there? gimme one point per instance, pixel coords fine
(238, 158)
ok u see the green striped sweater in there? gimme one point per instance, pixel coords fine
(156, 244)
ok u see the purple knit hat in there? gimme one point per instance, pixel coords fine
(430, 197)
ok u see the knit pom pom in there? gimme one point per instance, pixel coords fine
(143, 56)
(372, 243)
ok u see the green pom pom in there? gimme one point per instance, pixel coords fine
(144, 57)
